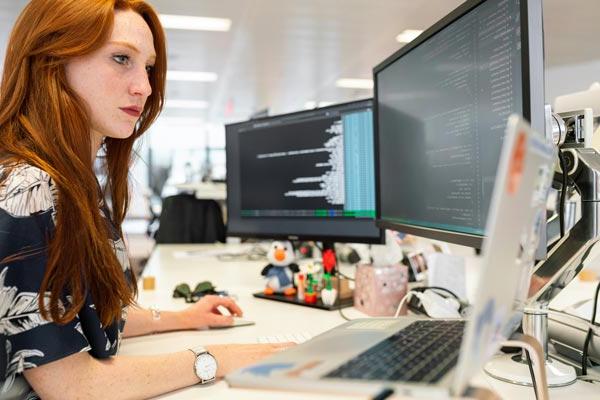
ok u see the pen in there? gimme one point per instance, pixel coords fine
(383, 394)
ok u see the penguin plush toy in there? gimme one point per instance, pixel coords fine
(279, 274)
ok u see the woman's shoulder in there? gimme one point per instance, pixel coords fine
(26, 190)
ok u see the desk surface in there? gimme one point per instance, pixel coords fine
(174, 264)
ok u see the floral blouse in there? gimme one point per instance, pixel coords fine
(27, 215)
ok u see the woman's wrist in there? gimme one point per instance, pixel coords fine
(170, 321)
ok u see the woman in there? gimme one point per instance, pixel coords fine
(81, 75)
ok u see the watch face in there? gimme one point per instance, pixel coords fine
(206, 366)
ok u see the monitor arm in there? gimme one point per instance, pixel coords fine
(567, 257)
(551, 275)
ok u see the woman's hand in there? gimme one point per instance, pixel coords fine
(235, 356)
(205, 313)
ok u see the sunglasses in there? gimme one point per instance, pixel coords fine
(203, 288)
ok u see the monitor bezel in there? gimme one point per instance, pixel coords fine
(292, 236)
(532, 71)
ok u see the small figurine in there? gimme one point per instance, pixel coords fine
(280, 272)
(329, 261)
(328, 294)
(310, 295)
(300, 283)
(314, 275)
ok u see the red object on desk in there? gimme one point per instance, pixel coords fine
(310, 298)
(328, 260)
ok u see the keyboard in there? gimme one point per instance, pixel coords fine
(423, 351)
(298, 337)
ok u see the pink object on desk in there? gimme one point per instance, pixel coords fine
(378, 290)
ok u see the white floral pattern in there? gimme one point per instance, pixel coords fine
(17, 364)
(27, 190)
(20, 311)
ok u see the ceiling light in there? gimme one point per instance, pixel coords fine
(194, 23)
(190, 104)
(325, 103)
(408, 35)
(355, 83)
(195, 76)
(309, 105)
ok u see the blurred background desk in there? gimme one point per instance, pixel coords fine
(205, 190)
(174, 264)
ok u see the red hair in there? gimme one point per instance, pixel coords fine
(45, 124)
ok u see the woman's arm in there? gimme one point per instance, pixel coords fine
(200, 315)
(135, 377)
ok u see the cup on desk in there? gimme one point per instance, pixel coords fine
(379, 290)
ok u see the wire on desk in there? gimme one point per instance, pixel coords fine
(529, 364)
(590, 333)
(402, 302)
(589, 378)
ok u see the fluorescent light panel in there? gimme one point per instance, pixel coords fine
(408, 35)
(189, 104)
(192, 76)
(191, 23)
(354, 83)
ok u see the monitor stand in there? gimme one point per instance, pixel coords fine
(564, 262)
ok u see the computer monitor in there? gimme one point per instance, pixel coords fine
(441, 108)
(306, 175)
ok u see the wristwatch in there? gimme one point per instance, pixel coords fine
(205, 365)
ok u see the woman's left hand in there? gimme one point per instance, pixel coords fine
(205, 313)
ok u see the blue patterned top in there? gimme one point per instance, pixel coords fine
(27, 216)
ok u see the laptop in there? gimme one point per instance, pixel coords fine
(434, 358)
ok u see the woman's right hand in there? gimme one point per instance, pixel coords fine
(235, 356)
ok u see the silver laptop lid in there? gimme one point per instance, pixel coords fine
(516, 212)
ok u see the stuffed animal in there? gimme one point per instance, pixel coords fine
(279, 273)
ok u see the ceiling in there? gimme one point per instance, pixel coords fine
(279, 54)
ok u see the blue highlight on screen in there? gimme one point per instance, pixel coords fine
(359, 161)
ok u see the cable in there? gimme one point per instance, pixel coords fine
(339, 286)
(563, 192)
(590, 333)
(533, 383)
(344, 275)
(404, 300)
(588, 378)
(450, 292)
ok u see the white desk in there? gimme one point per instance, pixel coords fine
(170, 267)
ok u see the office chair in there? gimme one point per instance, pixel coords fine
(186, 219)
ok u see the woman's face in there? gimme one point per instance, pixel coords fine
(113, 80)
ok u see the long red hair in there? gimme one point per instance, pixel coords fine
(45, 124)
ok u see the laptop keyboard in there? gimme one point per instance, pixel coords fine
(423, 351)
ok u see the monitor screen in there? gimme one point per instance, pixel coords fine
(304, 175)
(441, 107)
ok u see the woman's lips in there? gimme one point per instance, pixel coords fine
(134, 112)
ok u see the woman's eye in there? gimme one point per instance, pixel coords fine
(149, 68)
(121, 59)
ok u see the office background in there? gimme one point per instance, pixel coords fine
(281, 56)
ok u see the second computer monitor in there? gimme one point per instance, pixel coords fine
(441, 107)
(304, 175)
